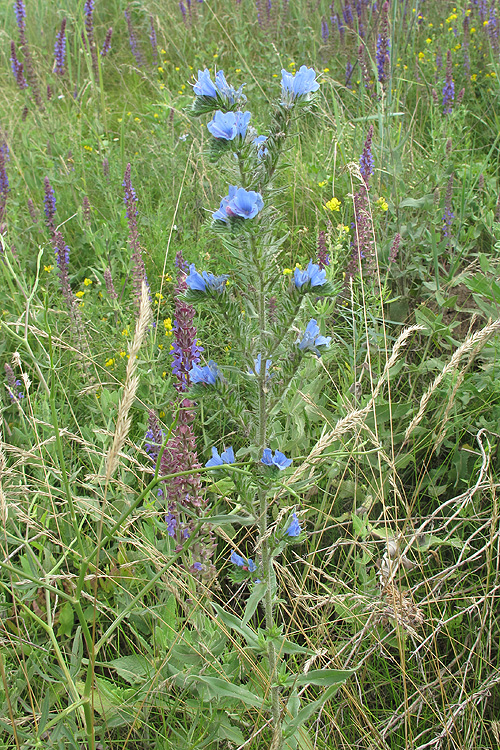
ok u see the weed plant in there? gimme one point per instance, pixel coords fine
(167, 578)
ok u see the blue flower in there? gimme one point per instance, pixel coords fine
(226, 126)
(312, 339)
(262, 151)
(204, 85)
(239, 202)
(257, 363)
(205, 281)
(279, 459)
(313, 274)
(294, 528)
(207, 374)
(197, 566)
(221, 90)
(227, 457)
(242, 563)
(302, 84)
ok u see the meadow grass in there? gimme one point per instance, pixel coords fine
(108, 639)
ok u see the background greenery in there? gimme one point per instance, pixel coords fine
(426, 651)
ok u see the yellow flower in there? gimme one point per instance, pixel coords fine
(79, 294)
(137, 119)
(275, 75)
(81, 304)
(485, 23)
(163, 51)
(168, 326)
(162, 414)
(162, 85)
(216, 56)
(291, 64)
(123, 354)
(87, 282)
(164, 374)
(160, 346)
(109, 362)
(160, 69)
(88, 148)
(326, 70)
(48, 268)
(382, 204)
(333, 204)
(428, 40)
(177, 68)
(473, 30)
(322, 183)
(159, 295)
(473, 77)
(287, 272)
(421, 55)
(156, 114)
(120, 119)
(237, 70)
(493, 74)
(125, 332)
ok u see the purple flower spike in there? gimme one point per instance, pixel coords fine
(152, 39)
(139, 270)
(20, 11)
(50, 204)
(60, 50)
(366, 159)
(383, 45)
(449, 86)
(107, 42)
(132, 37)
(17, 68)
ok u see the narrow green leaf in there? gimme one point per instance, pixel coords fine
(321, 677)
(258, 593)
(234, 623)
(223, 689)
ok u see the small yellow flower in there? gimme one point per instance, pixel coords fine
(87, 282)
(421, 55)
(159, 295)
(162, 85)
(163, 51)
(160, 69)
(160, 346)
(168, 326)
(88, 148)
(473, 30)
(237, 70)
(215, 55)
(177, 68)
(81, 304)
(123, 354)
(322, 183)
(125, 332)
(275, 75)
(287, 272)
(485, 23)
(120, 119)
(333, 204)
(156, 115)
(493, 74)
(137, 119)
(382, 204)
(48, 269)
(473, 77)
(164, 374)
(326, 70)
(162, 414)
(109, 362)
(79, 294)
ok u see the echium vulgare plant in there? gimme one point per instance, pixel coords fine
(259, 319)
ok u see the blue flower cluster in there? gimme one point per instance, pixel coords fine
(205, 281)
(294, 527)
(279, 459)
(298, 86)
(312, 340)
(221, 90)
(227, 457)
(207, 374)
(239, 203)
(313, 275)
(228, 125)
(242, 563)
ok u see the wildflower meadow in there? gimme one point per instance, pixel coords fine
(250, 351)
